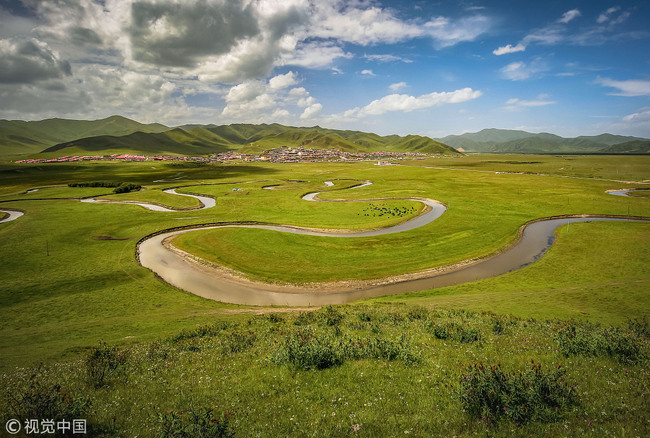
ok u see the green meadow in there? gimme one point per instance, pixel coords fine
(386, 366)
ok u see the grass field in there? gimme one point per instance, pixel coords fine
(69, 280)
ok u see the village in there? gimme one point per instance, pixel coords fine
(283, 154)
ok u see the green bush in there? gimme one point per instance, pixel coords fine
(490, 393)
(306, 350)
(103, 363)
(591, 340)
(42, 400)
(194, 423)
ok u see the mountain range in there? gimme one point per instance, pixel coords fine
(522, 142)
(57, 137)
(116, 134)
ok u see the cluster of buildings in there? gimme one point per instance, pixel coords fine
(113, 157)
(287, 154)
(284, 154)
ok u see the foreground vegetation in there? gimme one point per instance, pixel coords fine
(363, 370)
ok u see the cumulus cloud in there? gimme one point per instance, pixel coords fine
(397, 86)
(283, 81)
(180, 34)
(311, 111)
(509, 49)
(368, 73)
(255, 99)
(406, 103)
(633, 87)
(315, 55)
(28, 61)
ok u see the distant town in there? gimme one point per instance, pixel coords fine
(283, 154)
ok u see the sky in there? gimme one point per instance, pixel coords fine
(391, 67)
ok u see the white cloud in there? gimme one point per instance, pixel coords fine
(605, 16)
(368, 73)
(406, 103)
(311, 111)
(632, 87)
(254, 100)
(315, 55)
(518, 104)
(569, 15)
(387, 58)
(446, 32)
(518, 71)
(397, 86)
(283, 81)
(509, 49)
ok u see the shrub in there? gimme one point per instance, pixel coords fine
(239, 341)
(194, 423)
(533, 395)
(591, 340)
(330, 316)
(42, 400)
(418, 312)
(103, 363)
(468, 334)
(275, 318)
(203, 331)
(125, 188)
(306, 350)
(453, 331)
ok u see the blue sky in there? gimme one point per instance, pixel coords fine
(394, 67)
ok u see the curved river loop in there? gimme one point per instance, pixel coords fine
(204, 279)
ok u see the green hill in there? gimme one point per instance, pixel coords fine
(522, 142)
(630, 147)
(246, 138)
(18, 137)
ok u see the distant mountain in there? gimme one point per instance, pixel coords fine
(246, 138)
(18, 137)
(630, 147)
(522, 142)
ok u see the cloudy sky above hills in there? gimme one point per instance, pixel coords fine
(421, 67)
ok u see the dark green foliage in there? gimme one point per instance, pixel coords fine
(640, 328)
(306, 350)
(453, 331)
(194, 423)
(591, 340)
(40, 400)
(239, 341)
(120, 187)
(275, 318)
(490, 393)
(203, 331)
(125, 188)
(103, 363)
(330, 316)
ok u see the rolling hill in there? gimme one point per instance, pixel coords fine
(522, 142)
(18, 137)
(246, 138)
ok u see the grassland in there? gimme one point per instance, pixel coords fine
(69, 281)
